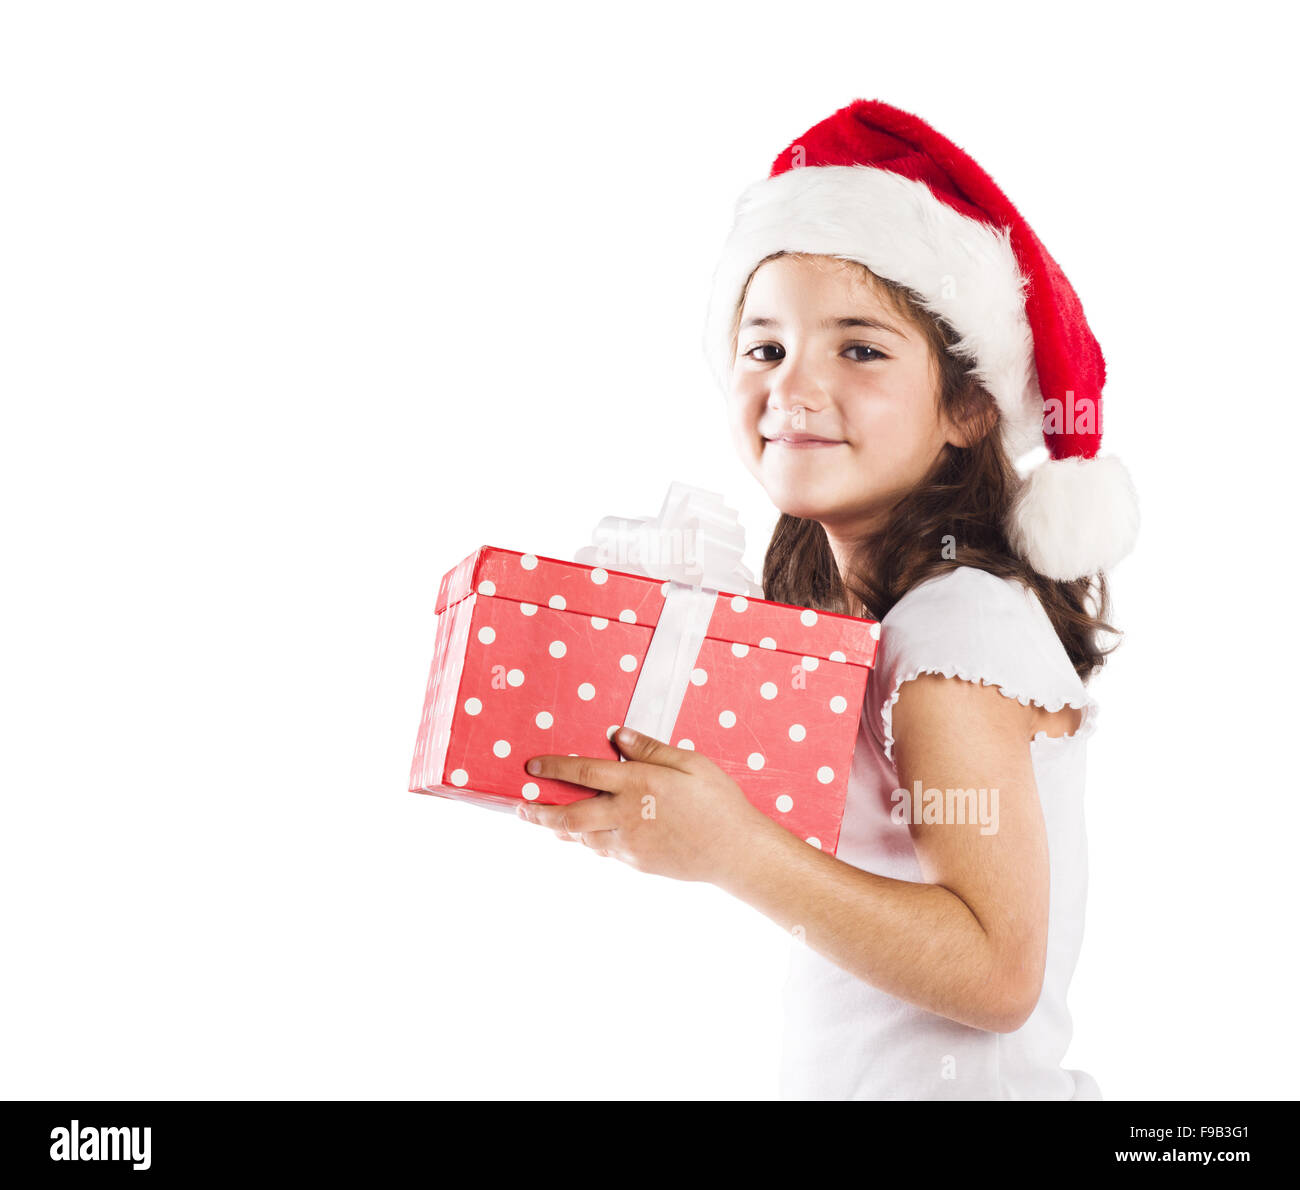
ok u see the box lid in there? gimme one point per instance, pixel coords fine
(634, 598)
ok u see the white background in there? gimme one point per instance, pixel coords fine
(304, 302)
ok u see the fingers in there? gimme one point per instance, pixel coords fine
(613, 776)
(601, 842)
(592, 822)
(591, 814)
(648, 750)
(643, 755)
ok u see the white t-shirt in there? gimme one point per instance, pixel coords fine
(845, 1039)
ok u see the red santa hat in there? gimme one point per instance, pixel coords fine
(879, 186)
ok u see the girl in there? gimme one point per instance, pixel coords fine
(892, 337)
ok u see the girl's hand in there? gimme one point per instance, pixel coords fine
(665, 810)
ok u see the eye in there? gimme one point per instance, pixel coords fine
(876, 353)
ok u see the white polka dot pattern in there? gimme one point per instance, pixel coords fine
(545, 656)
(597, 591)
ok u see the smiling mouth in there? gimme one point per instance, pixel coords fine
(796, 443)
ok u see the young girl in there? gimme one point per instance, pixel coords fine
(892, 338)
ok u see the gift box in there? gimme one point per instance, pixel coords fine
(537, 655)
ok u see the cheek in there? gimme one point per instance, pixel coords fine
(744, 434)
(897, 434)
(903, 415)
(745, 389)
(744, 408)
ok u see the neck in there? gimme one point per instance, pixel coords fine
(842, 545)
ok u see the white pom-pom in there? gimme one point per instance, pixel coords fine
(1075, 517)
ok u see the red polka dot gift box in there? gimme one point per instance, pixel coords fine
(536, 655)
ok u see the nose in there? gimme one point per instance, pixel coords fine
(794, 389)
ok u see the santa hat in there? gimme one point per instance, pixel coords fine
(879, 186)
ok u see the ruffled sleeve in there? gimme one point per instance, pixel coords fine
(969, 624)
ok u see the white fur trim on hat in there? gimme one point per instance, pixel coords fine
(963, 270)
(1075, 517)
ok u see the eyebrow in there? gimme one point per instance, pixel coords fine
(831, 323)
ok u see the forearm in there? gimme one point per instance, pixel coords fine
(919, 942)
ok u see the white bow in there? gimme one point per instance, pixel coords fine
(695, 540)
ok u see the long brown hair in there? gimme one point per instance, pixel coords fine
(954, 517)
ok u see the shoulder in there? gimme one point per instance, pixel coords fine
(963, 585)
(967, 623)
(970, 613)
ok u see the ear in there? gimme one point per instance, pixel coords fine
(975, 419)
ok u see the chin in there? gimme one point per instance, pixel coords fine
(801, 504)
(811, 493)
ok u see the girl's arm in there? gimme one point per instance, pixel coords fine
(970, 943)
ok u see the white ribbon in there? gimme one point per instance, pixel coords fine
(696, 539)
(695, 544)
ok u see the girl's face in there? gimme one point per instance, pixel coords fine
(820, 355)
